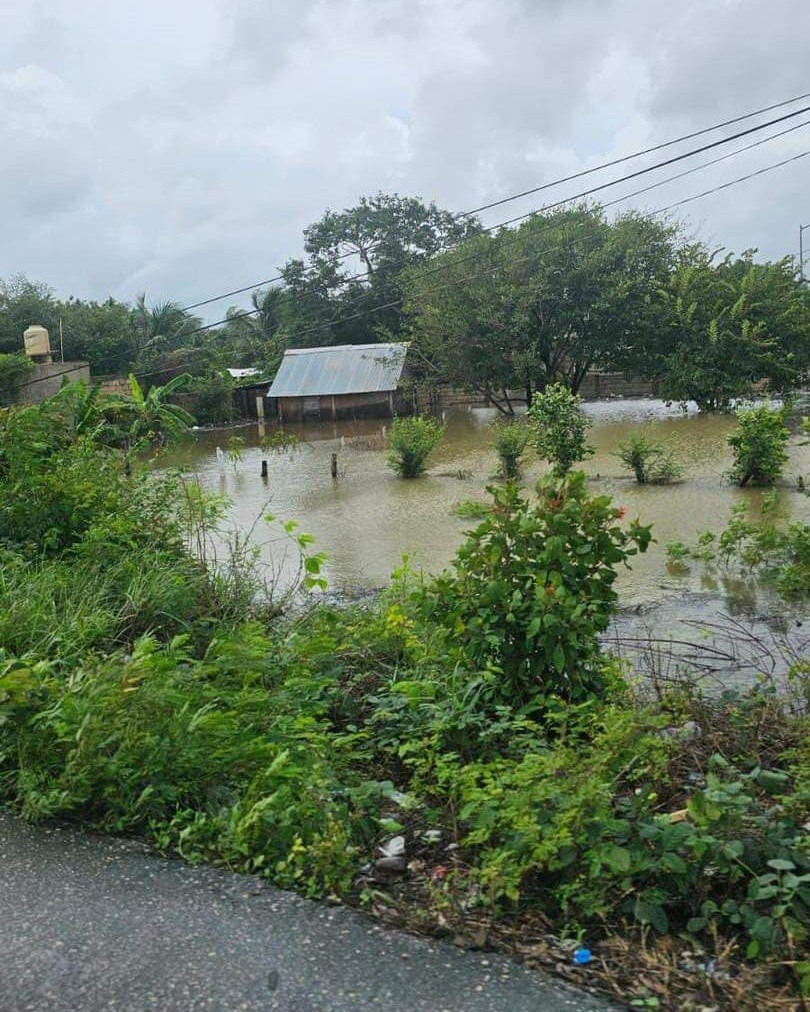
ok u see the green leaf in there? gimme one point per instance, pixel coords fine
(779, 864)
(734, 849)
(617, 858)
(773, 781)
(649, 912)
(674, 863)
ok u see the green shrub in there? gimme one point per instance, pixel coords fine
(531, 589)
(559, 427)
(622, 841)
(410, 442)
(650, 461)
(212, 397)
(779, 555)
(280, 441)
(759, 445)
(510, 440)
(197, 753)
(15, 368)
(235, 450)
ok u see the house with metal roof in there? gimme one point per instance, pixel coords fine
(341, 381)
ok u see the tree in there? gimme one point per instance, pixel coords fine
(102, 333)
(559, 427)
(163, 327)
(729, 326)
(759, 445)
(460, 321)
(542, 303)
(410, 442)
(23, 302)
(261, 338)
(376, 238)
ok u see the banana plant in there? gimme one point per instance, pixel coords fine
(156, 421)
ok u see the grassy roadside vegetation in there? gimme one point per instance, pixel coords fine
(457, 756)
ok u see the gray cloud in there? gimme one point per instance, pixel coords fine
(181, 147)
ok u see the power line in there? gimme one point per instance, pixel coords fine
(534, 253)
(552, 183)
(437, 268)
(577, 196)
(672, 178)
(725, 186)
(646, 151)
(399, 302)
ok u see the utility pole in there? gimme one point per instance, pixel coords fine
(801, 251)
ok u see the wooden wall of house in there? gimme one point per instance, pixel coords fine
(342, 406)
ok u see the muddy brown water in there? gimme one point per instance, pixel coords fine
(368, 518)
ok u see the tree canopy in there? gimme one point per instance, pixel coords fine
(729, 325)
(542, 303)
(504, 313)
(354, 261)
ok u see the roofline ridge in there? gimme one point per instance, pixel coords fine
(346, 347)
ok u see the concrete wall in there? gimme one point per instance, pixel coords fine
(115, 385)
(47, 379)
(596, 386)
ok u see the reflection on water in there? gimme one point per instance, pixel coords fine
(368, 518)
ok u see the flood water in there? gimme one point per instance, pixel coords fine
(368, 518)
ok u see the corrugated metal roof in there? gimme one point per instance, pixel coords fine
(239, 374)
(340, 369)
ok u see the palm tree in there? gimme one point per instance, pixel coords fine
(259, 339)
(162, 327)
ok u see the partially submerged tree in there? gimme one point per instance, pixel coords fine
(540, 304)
(410, 442)
(729, 327)
(759, 445)
(559, 428)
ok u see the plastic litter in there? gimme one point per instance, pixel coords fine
(582, 956)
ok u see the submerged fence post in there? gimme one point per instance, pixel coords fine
(334, 466)
(264, 470)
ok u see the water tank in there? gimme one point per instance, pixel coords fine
(37, 343)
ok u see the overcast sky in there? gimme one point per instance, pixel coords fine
(178, 147)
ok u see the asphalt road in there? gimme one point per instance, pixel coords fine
(90, 924)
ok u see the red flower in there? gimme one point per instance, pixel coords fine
(439, 873)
